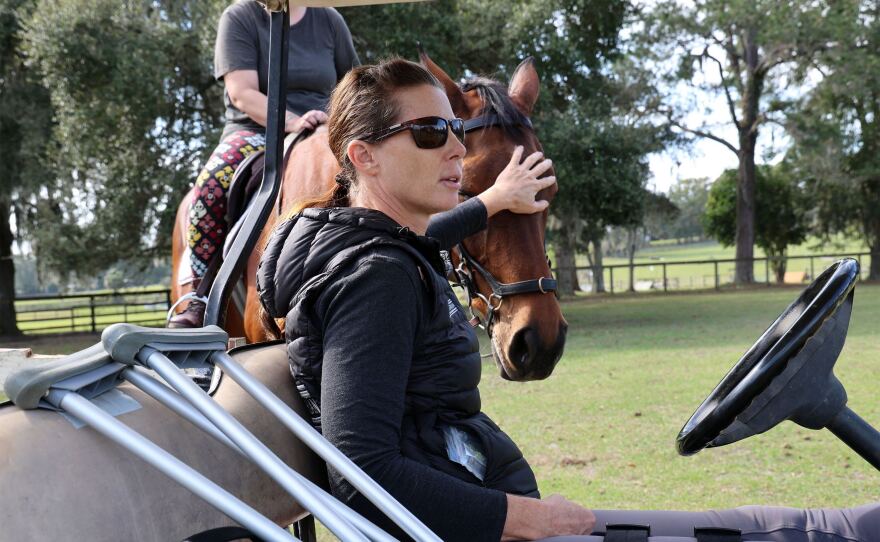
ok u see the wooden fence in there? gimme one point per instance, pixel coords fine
(91, 312)
(706, 274)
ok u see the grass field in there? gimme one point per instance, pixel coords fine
(601, 429)
(80, 313)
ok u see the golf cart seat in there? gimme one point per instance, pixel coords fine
(63, 481)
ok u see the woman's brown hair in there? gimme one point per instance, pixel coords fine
(363, 102)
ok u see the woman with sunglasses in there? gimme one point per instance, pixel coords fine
(380, 349)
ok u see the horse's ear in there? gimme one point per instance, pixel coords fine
(524, 86)
(455, 95)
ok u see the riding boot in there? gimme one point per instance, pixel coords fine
(193, 315)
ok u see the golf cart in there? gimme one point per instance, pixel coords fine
(73, 447)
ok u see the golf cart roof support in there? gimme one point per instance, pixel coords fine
(243, 244)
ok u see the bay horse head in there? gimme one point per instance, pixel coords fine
(505, 267)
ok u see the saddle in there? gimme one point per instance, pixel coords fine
(244, 185)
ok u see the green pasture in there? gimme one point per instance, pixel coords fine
(702, 275)
(601, 430)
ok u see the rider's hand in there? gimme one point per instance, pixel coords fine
(533, 519)
(308, 121)
(518, 185)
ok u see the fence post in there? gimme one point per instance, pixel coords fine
(812, 270)
(611, 270)
(717, 284)
(860, 267)
(168, 294)
(767, 270)
(92, 312)
(664, 277)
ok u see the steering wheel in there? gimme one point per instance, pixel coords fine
(786, 374)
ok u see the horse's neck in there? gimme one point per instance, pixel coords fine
(309, 171)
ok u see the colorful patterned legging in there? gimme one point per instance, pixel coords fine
(207, 213)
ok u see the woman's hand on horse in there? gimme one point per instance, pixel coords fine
(308, 121)
(518, 185)
(533, 519)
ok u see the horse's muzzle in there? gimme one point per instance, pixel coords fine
(529, 357)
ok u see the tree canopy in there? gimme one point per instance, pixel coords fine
(781, 214)
(837, 135)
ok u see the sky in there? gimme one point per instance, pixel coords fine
(706, 159)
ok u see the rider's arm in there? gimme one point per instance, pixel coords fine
(244, 92)
(370, 319)
(243, 88)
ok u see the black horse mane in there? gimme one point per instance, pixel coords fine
(496, 100)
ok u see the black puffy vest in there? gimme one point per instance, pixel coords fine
(319, 246)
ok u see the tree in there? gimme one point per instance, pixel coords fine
(689, 196)
(781, 213)
(25, 119)
(656, 208)
(746, 51)
(837, 134)
(134, 114)
(604, 167)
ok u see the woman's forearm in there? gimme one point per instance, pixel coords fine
(533, 519)
(526, 519)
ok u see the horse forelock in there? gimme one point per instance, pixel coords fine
(496, 100)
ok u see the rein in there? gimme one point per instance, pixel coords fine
(463, 275)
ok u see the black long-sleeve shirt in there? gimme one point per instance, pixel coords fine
(369, 336)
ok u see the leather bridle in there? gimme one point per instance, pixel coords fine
(463, 274)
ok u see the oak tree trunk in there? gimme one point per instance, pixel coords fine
(596, 265)
(566, 272)
(745, 189)
(631, 247)
(8, 325)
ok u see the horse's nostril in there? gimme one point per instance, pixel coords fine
(523, 348)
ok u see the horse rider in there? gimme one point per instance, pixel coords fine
(321, 45)
(384, 357)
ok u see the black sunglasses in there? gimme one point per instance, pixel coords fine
(427, 132)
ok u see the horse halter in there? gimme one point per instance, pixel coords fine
(463, 275)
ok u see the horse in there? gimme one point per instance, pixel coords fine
(528, 329)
